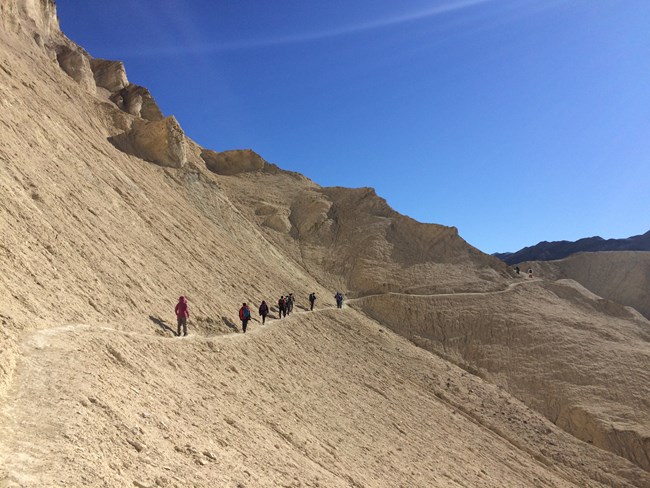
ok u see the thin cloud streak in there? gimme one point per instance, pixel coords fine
(308, 37)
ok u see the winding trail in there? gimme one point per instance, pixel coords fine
(39, 385)
(507, 289)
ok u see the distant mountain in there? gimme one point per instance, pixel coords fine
(550, 251)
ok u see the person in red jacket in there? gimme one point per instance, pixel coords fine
(182, 314)
(244, 316)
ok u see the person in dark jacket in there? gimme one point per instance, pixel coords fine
(264, 311)
(244, 316)
(182, 314)
(290, 301)
(339, 299)
(282, 307)
(312, 300)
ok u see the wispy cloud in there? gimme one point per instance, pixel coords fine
(214, 47)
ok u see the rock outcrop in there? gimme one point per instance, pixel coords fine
(109, 75)
(232, 162)
(161, 142)
(35, 17)
(76, 64)
(138, 101)
(354, 241)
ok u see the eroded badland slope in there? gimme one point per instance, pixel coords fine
(109, 213)
(580, 360)
(621, 276)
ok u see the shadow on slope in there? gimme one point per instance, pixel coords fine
(202, 326)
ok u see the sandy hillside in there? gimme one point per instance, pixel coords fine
(621, 276)
(579, 359)
(110, 213)
(311, 401)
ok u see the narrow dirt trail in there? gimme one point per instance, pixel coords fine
(45, 356)
(42, 383)
(63, 400)
(326, 391)
(38, 385)
(509, 288)
(46, 352)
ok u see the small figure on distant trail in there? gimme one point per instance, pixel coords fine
(182, 314)
(290, 301)
(339, 299)
(517, 269)
(264, 311)
(244, 316)
(530, 272)
(312, 300)
(282, 307)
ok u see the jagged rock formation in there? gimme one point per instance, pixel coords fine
(161, 142)
(110, 75)
(77, 65)
(96, 248)
(30, 17)
(138, 101)
(550, 251)
(352, 240)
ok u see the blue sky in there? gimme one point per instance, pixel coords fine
(516, 121)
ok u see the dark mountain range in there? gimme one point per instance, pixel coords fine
(549, 251)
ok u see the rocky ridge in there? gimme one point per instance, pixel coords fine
(552, 251)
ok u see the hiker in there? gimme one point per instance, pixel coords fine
(182, 314)
(264, 311)
(244, 316)
(282, 307)
(312, 299)
(290, 301)
(530, 272)
(517, 269)
(339, 299)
